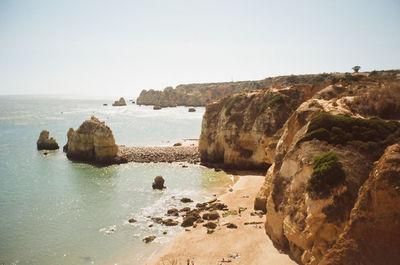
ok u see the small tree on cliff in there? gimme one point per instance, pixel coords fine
(356, 68)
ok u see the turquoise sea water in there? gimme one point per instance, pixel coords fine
(54, 211)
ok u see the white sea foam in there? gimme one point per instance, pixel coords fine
(108, 230)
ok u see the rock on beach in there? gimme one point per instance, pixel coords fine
(148, 239)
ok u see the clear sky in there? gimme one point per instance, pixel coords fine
(98, 47)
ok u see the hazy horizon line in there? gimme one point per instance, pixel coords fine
(104, 96)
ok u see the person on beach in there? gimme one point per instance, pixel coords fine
(240, 211)
(188, 262)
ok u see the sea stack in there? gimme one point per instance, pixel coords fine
(46, 143)
(158, 183)
(120, 102)
(92, 142)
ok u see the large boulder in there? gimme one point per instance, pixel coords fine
(186, 200)
(173, 212)
(210, 225)
(191, 217)
(46, 143)
(158, 183)
(169, 222)
(148, 239)
(120, 102)
(92, 142)
(214, 215)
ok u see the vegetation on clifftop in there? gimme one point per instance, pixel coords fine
(338, 129)
(276, 99)
(328, 173)
(367, 135)
(381, 101)
(231, 102)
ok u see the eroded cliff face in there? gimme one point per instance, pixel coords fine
(326, 226)
(203, 94)
(372, 236)
(193, 95)
(303, 225)
(237, 130)
(327, 200)
(92, 142)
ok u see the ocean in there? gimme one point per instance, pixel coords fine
(54, 211)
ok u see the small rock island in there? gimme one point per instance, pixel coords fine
(120, 102)
(46, 143)
(92, 142)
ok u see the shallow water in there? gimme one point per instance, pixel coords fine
(55, 211)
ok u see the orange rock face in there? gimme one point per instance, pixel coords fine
(92, 142)
(372, 235)
(46, 143)
(240, 131)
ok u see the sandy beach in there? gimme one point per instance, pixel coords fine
(247, 244)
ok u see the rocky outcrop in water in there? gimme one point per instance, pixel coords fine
(158, 183)
(149, 239)
(46, 143)
(120, 102)
(92, 142)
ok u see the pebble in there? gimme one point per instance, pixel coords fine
(189, 154)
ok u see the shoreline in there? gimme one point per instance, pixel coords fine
(249, 241)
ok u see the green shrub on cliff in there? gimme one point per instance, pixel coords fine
(328, 173)
(338, 129)
(276, 99)
(231, 102)
(368, 136)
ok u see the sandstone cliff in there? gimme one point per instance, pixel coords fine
(92, 142)
(372, 236)
(203, 94)
(316, 195)
(306, 195)
(236, 130)
(46, 143)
